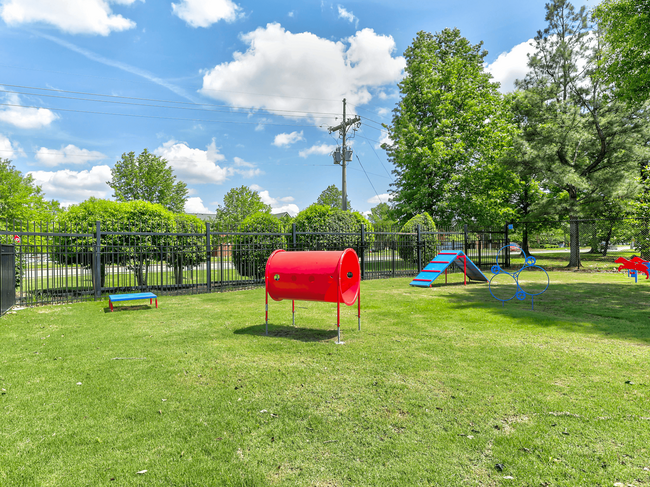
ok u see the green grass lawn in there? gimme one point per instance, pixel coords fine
(439, 387)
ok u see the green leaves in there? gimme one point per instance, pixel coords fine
(627, 57)
(323, 219)
(238, 204)
(147, 178)
(332, 196)
(252, 251)
(448, 132)
(20, 198)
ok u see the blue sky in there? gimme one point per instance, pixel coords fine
(230, 92)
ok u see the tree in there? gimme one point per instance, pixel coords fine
(382, 215)
(238, 204)
(448, 131)
(134, 252)
(642, 210)
(626, 24)
(332, 196)
(251, 251)
(20, 199)
(328, 228)
(408, 249)
(147, 178)
(583, 142)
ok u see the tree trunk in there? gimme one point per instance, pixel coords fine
(574, 236)
(608, 238)
(524, 240)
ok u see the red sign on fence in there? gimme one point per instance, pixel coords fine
(17, 238)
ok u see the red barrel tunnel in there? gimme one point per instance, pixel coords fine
(330, 276)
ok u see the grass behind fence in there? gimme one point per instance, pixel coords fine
(442, 386)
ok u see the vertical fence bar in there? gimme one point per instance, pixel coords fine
(97, 263)
(293, 236)
(506, 242)
(419, 248)
(208, 249)
(465, 236)
(363, 252)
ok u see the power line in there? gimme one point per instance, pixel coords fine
(378, 158)
(155, 117)
(152, 100)
(364, 171)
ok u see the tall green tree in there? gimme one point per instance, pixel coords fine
(382, 215)
(448, 131)
(238, 204)
(332, 197)
(148, 178)
(626, 27)
(20, 198)
(583, 141)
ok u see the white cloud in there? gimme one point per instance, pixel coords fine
(204, 13)
(511, 65)
(382, 112)
(194, 165)
(70, 187)
(70, 16)
(69, 154)
(384, 139)
(304, 72)
(195, 205)
(382, 198)
(200, 166)
(321, 149)
(349, 16)
(276, 203)
(25, 118)
(245, 169)
(284, 140)
(8, 149)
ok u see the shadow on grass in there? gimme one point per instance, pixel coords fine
(612, 308)
(129, 308)
(290, 332)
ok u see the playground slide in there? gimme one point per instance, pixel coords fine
(440, 264)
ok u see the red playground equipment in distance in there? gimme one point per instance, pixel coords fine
(634, 266)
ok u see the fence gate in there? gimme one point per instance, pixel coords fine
(7, 278)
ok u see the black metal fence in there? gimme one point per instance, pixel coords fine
(59, 264)
(7, 278)
(595, 235)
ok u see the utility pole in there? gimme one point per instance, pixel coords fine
(343, 128)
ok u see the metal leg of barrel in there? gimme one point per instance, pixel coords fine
(266, 295)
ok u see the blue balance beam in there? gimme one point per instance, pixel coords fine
(113, 298)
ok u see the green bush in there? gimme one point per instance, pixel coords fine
(324, 219)
(134, 252)
(408, 243)
(251, 251)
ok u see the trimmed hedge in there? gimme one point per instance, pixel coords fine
(251, 252)
(408, 249)
(325, 219)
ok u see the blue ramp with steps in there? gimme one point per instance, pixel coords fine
(440, 264)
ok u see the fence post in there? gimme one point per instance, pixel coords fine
(293, 236)
(419, 249)
(97, 264)
(363, 251)
(506, 243)
(208, 249)
(465, 232)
